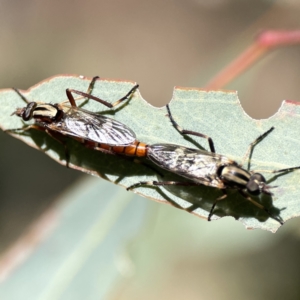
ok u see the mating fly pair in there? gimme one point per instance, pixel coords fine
(109, 136)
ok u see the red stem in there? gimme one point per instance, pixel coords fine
(264, 42)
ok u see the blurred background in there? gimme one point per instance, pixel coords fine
(158, 44)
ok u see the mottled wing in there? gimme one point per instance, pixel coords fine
(195, 164)
(95, 127)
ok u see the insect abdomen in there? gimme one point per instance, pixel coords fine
(137, 149)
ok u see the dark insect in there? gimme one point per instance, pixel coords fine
(109, 136)
(210, 169)
(93, 130)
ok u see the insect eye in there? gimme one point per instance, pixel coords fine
(258, 177)
(253, 187)
(255, 184)
(28, 112)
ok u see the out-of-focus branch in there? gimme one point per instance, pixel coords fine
(264, 42)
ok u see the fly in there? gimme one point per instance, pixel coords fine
(93, 130)
(209, 168)
(109, 136)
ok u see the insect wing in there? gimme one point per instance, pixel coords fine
(197, 165)
(94, 127)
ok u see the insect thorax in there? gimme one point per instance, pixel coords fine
(47, 113)
(234, 176)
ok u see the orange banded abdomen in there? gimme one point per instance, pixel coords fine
(137, 149)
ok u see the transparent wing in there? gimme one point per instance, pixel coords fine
(195, 164)
(93, 127)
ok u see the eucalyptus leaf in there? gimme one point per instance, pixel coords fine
(217, 114)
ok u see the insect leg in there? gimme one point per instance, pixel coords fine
(249, 151)
(159, 183)
(183, 131)
(22, 96)
(214, 205)
(278, 171)
(285, 170)
(101, 149)
(108, 104)
(89, 90)
(192, 207)
(260, 206)
(162, 183)
(91, 85)
(25, 128)
(56, 136)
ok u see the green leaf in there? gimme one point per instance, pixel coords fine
(217, 114)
